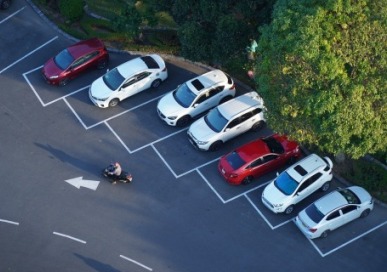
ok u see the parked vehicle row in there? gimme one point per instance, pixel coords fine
(221, 116)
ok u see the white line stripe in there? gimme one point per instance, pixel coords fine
(209, 185)
(9, 66)
(70, 237)
(13, 14)
(165, 162)
(33, 89)
(76, 115)
(9, 222)
(118, 138)
(33, 70)
(354, 239)
(255, 207)
(65, 96)
(135, 262)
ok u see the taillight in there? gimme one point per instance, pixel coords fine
(165, 69)
(233, 175)
(232, 87)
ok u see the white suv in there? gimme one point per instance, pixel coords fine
(297, 182)
(195, 97)
(227, 121)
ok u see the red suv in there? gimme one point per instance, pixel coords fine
(74, 60)
(257, 158)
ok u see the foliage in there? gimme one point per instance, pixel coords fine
(71, 9)
(128, 21)
(322, 73)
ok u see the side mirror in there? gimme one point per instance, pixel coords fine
(195, 105)
(277, 174)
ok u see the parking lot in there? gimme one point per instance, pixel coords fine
(140, 137)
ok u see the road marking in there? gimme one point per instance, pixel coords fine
(13, 14)
(74, 112)
(80, 182)
(9, 222)
(9, 66)
(70, 237)
(118, 138)
(135, 262)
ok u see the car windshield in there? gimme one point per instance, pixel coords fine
(64, 59)
(113, 79)
(235, 160)
(314, 213)
(215, 120)
(274, 145)
(184, 96)
(286, 184)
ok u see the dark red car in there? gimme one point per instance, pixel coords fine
(257, 158)
(74, 60)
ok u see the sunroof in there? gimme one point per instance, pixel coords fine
(150, 62)
(300, 170)
(197, 84)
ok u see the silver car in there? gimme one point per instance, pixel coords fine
(334, 210)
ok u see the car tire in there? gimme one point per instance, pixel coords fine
(225, 99)
(183, 121)
(102, 64)
(289, 209)
(5, 4)
(216, 146)
(258, 126)
(114, 102)
(365, 213)
(63, 82)
(247, 180)
(325, 186)
(324, 234)
(156, 83)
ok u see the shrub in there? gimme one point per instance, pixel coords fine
(71, 9)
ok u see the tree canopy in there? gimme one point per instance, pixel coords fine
(321, 69)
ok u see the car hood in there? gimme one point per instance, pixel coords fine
(168, 105)
(273, 195)
(99, 89)
(201, 131)
(51, 69)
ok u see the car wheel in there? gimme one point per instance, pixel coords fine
(225, 99)
(183, 121)
(258, 126)
(216, 146)
(365, 213)
(247, 180)
(102, 64)
(325, 186)
(156, 83)
(289, 209)
(64, 82)
(113, 102)
(5, 4)
(324, 234)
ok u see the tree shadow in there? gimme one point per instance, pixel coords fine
(98, 266)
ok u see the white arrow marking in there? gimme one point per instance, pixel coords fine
(79, 181)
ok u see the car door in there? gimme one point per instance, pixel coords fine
(82, 63)
(332, 221)
(205, 101)
(254, 168)
(271, 162)
(134, 85)
(306, 188)
(349, 213)
(232, 129)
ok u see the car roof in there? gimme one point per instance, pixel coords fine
(330, 202)
(202, 82)
(139, 64)
(240, 104)
(305, 166)
(83, 47)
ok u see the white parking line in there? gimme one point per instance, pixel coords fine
(9, 66)
(70, 237)
(118, 138)
(9, 222)
(135, 262)
(74, 112)
(13, 14)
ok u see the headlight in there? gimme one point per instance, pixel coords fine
(172, 117)
(202, 142)
(278, 205)
(53, 77)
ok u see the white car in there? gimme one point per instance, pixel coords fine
(128, 79)
(195, 97)
(227, 121)
(297, 182)
(334, 210)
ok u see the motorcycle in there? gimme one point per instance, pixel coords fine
(125, 177)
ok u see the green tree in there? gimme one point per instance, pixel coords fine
(71, 9)
(129, 21)
(322, 73)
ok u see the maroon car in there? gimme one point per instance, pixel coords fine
(257, 158)
(74, 60)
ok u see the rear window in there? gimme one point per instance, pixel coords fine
(150, 62)
(235, 160)
(314, 213)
